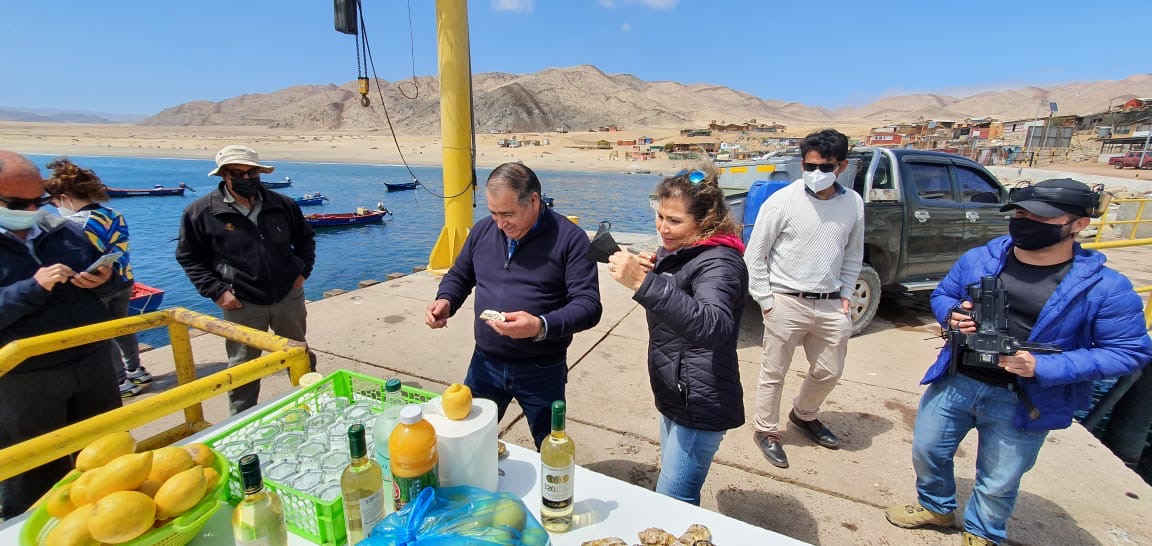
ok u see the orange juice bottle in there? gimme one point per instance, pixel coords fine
(415, 464)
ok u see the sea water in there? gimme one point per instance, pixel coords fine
(346, 255)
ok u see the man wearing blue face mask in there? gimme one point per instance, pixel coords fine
(1058, 294)
(43, 289)
(249, 250)
(803, 257)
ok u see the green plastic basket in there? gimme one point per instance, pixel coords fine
(320, 521)
(178, 532)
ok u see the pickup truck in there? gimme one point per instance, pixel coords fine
(922, 210)
(1136, 160)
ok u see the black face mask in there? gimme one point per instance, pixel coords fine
(246, 187)
(1028, 234)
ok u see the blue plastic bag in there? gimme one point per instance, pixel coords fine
(461, 515)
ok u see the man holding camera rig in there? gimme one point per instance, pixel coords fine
(1057, 294)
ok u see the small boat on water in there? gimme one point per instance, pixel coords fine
(277, 183)
(145, 299)
(156, 191)
(402, 186)
(310, 199)
(361, 216)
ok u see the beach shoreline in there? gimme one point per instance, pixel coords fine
(573, 151)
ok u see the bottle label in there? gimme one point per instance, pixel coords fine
(405, 490)
(556, 485)
(372, 511)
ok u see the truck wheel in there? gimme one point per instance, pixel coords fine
(1119, 165)
(865, 299)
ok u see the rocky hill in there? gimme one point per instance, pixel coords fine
(583, 97)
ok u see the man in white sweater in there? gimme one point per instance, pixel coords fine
(803, 257)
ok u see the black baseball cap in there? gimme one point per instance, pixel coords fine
(1049, 204)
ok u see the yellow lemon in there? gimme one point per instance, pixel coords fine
(457, 401)
(59, 501)
(103, 450)
(508, 512)
(201, 454)
(169, 461)
(124, 473)
(122, 516)
(180, 493)
(73, 529)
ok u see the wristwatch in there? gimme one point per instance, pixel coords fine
(543, 329)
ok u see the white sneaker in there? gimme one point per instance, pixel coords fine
(140, 376)
(128, 389)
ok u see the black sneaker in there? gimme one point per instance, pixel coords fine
(769, 445)
(128, 389)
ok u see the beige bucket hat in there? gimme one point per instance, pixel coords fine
(236, 154)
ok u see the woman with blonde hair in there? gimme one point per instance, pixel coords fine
(693, 290)
(78, 194)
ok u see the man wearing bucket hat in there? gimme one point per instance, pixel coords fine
(1058, 293)
(249, 250)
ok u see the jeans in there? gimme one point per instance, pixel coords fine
(685, 456)
(950, 408)
(287, 318)
(534, 386)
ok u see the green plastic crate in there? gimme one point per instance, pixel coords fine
(310, 517)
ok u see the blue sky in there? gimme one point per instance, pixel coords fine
(122, 56)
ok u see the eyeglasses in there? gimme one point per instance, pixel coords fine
(824, 167)
(237, 173)
(12, 203)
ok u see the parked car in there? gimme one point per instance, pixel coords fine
(922, 210)
(1136, 160)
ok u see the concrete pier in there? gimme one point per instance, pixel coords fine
(1077, 494)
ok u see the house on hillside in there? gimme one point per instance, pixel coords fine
(695, 132)
(890, 136)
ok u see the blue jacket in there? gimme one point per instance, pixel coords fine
(27, 309)
(548, 275)
(1094, 316)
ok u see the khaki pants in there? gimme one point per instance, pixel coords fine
(823, 328)
(287, 318)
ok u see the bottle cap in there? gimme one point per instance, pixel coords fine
(559, 409)
(356, 447)
(392, 385)
(411, 414)
(250, 478)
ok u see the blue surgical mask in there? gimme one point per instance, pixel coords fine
(18, 220)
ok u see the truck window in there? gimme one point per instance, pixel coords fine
(931, 181)
(975, 186)
(861, 171)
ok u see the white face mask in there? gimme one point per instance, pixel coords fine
(65, 211)
(18, 220)
(818, 181)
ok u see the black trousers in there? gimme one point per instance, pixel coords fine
(37, 402)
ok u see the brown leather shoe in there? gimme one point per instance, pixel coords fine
(816, 431)
(769, 445)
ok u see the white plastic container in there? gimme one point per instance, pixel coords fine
(467, 448)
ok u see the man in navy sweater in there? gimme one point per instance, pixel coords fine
(529, 263)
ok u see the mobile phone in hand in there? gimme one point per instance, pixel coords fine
(105, 260)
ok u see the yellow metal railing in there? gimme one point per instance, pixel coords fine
(188, 395)
(1129, 240)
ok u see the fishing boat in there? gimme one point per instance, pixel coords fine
(145, 299)
(277, 183)
(156, 191)
(402, 186)
(310, 199)
(361, 216)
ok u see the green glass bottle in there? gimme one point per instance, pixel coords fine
(362, 486)
(258, 520)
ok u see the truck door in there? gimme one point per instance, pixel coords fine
(982, 196)
(935, 216)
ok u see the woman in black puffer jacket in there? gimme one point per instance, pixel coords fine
(693, 289)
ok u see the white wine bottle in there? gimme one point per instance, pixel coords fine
(258, 520)
(557, 470)
(362, 485)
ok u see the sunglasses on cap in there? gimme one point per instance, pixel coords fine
(12, 203)
(695, 177)
(243, 173)
(824, 167)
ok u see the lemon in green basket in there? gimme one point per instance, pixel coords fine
(181, 492)
(124, 473)
(104, 450)
(73, 529)
(59, 501)
(201, 454)
(169, 461)
(122, 516)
